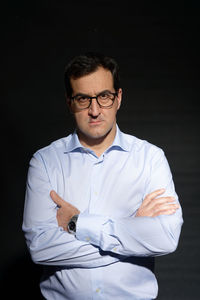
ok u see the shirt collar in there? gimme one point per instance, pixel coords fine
(73, 143)
(120, 142)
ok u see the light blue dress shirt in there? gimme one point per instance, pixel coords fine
(112, 254)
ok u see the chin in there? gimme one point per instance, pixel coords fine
(96, 133)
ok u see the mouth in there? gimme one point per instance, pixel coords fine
(95, 122)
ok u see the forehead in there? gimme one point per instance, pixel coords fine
(93, 83)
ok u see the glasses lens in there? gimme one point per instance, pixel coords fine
(82, 102)
(106, 99)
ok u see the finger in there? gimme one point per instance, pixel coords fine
(164, 209)
(166, 206)
(56, 198)
(153, 195)
(161, 200)
(165, 212)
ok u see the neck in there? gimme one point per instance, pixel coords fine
(99, 144)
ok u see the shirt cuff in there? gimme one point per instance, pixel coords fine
(88, 228)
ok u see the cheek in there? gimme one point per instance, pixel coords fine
(109, 117)
(80, 117)
(111, 114)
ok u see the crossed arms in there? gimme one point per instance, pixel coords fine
(100, 240)
(152, 206)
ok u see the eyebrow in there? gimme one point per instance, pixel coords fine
(86, 95)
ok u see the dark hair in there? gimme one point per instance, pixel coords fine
(88, 63)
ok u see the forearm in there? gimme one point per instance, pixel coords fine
(134, 236)
(53, 246)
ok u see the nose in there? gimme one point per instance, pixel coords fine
(94, 109)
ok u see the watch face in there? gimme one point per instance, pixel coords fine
(72, 225)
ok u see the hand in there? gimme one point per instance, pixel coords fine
(65, 212)
(153, 206)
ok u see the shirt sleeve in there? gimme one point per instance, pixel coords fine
(137, 236)
(48, 243)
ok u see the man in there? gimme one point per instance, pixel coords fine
(100, 204)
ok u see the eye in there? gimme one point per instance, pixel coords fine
(104, 96)
(82, 99)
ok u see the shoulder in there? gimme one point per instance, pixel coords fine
(54, 149)
(138, 145)
(145, 154)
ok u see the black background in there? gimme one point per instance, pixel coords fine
(157, 48)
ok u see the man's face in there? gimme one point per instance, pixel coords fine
(95, 122)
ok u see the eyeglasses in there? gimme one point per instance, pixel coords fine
(104, 99)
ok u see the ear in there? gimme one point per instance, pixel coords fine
(119, 98)
(69, 103)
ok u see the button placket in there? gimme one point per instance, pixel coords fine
(97, 283)
(94, 187)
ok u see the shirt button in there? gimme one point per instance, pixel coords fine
(87, 238)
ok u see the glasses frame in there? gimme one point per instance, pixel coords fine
(96, 97)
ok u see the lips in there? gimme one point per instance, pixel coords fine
(95, 122)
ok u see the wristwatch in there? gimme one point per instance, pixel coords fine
(71, 227)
